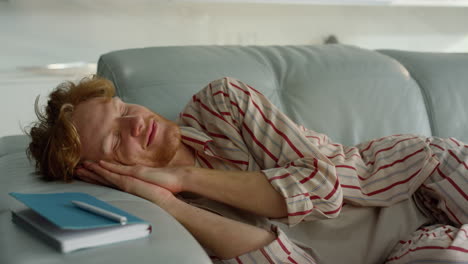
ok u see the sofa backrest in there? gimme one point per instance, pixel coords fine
(443, 80)
(349, 93)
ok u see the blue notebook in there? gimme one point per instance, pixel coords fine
(58, 208)
(67, 227)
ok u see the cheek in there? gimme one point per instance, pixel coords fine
(129, 151)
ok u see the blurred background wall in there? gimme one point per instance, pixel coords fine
(35, 33)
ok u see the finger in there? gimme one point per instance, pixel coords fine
(95, 178)
(116, 179)
(91, 177)
(136, 171)
(151, 192)
(131, 184)
(117, 168)
(148, 191)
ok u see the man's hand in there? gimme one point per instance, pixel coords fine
(250, 191)
(130, 179)
(168, 178)
(225, 237)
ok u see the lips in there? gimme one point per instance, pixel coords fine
(152, 133)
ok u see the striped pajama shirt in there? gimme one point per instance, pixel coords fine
(234, 127)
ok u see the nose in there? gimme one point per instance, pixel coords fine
(135, 125)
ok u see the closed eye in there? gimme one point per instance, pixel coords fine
(125, 110)
(117, 139)
(117, 134)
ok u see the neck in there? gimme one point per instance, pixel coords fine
(185, 156)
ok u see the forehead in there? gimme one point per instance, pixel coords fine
(93, 121)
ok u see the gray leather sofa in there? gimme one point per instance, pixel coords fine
(349, 93)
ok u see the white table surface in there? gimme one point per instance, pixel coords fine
(169, 242)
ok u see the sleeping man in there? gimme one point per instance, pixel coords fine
(232, 149)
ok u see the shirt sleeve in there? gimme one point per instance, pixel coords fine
(285, 152)
(281, 250)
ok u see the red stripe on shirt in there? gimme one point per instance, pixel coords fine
(238, 108)
(217, 135)
(447, 233)
(260, 144)
(451, 213)
(206, 162)
(222, 158)
(210, 110)
(300, 213)
(370, 144)
(268, 121)
(204, 128)
(459, 161)
(398, 161)
(453, 183)
(383, 189)
(332, 157)
(308, 211)
(193, 140)
(454, 141)
(292, 260)
(283, 246)
(255, 90)
(279, 177)
(241, 89)
(317, 138)
(267, 257)
(284, 136)
(335, 188)
(464, 231)
(351, 149)
(429, 247)
(346, 166)
(437, 146)
(334, 211)
(214, 113)
(243, 162)
(315, 197)
(351, 168)
(220, 92)
(312, 175)
(389, 148)
(194, 118)
(350, 187)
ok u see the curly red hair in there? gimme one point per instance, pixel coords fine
(55, 144)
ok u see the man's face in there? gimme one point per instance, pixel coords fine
(130, 134)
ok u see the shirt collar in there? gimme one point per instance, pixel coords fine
(195, 138)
